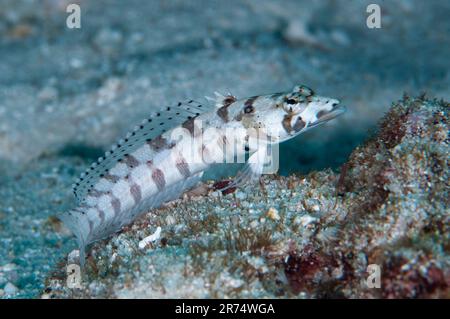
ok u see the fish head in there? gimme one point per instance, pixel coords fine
(294, 112)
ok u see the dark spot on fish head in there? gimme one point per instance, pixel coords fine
(229, 99)
(305, 91)
(299, 124)
(321, 114)
(287, 122)
(249, 109)
(239, 116)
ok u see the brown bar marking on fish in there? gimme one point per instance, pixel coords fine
(248, 105)
(222, 112)
(131, 161)
(299, 124)
(115, 203)
(287, 122)
(189, 125)
(112, 178)
(160, 143)
(183, 166)
(159, 179)
(136, 192)
(101, 214)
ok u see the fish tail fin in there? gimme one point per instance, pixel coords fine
(79, 226)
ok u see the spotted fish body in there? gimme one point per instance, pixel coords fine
(168, 153)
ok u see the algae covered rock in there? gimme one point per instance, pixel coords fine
(378, 229)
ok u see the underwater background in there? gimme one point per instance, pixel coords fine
(67, 94)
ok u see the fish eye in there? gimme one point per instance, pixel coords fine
(291, 101)
(249, 109)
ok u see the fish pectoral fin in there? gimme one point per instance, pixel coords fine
(252, 170)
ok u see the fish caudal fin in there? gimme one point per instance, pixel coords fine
(79, 226)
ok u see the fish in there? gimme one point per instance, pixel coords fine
(170, 150)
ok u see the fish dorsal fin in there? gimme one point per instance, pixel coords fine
(221, 100)
(150, 128)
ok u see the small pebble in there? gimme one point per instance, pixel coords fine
(306, 220)
(149, 239)
(254, 224)
(8, 267)
(10, 289)
(241, 195)
(170, 220)
(272, 213)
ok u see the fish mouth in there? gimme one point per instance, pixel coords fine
(328, 116)
(335, 112)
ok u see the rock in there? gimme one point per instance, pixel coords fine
(150, 239)
(272, 213)
(306, 220)
(8, 272)
(10, 289)
(8, 267)
(48, 94)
